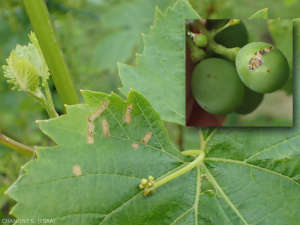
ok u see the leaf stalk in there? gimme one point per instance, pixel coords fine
(212, 46)
(190, 166)
(12, 144)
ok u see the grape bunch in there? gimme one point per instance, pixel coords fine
(232, 75)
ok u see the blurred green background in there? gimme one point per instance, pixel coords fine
(94, 35)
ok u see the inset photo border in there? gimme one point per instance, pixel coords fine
(239, 73)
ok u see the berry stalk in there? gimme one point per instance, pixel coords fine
(212, 46)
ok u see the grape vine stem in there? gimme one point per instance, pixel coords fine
(10, 143)
(41, 22)
(200, 157)
(212, 46)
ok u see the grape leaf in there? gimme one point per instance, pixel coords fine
(255, 172)
(261, 14)
(21, 73)
(125, 22)
(24, 66)
(160, 71)
(107, 173)
(38, 59)
(92, 175)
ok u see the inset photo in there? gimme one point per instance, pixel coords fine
(239, 73)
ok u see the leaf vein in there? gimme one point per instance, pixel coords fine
(266, 149)
(250, 165)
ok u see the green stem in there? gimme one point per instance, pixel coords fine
(222, 28)
(200, 158)
(230, 23)
(191, 44)
(200, 27)
(48, 94)
(177, 173)
(229, 53)
(41, 22)
(191, 152)
(197, 53)
(10, 143)
(45, 103)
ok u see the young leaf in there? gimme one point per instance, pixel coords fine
(21, 73)
(261, 14)
(39, 60)
(160, 71)
(25, 65)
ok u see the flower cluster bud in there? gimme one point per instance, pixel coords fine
(147, 183)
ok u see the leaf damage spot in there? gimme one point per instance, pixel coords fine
(127, 113)
(146, 138)
(255, 61)
(105, 128)
(91, 126)
(77, 170)
(135, 145)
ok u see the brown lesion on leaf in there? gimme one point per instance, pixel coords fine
(91, 126)
(146, 138)
(105, 128)
(77, 170)
(90, 133)
(135, 145)
(127, 113)
(255, 61)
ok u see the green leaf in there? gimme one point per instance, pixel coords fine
(160, 71)
(25, 65)
(107, 172)
(38, 60)
(21, 73)
(124, 30)
(281, 31)
(255, 172)
(261, 14)
(92, 175)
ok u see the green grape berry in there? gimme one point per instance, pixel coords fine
(217, 87)
(262, 67)
(233, 36)
(201, 40)
(251, 101)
